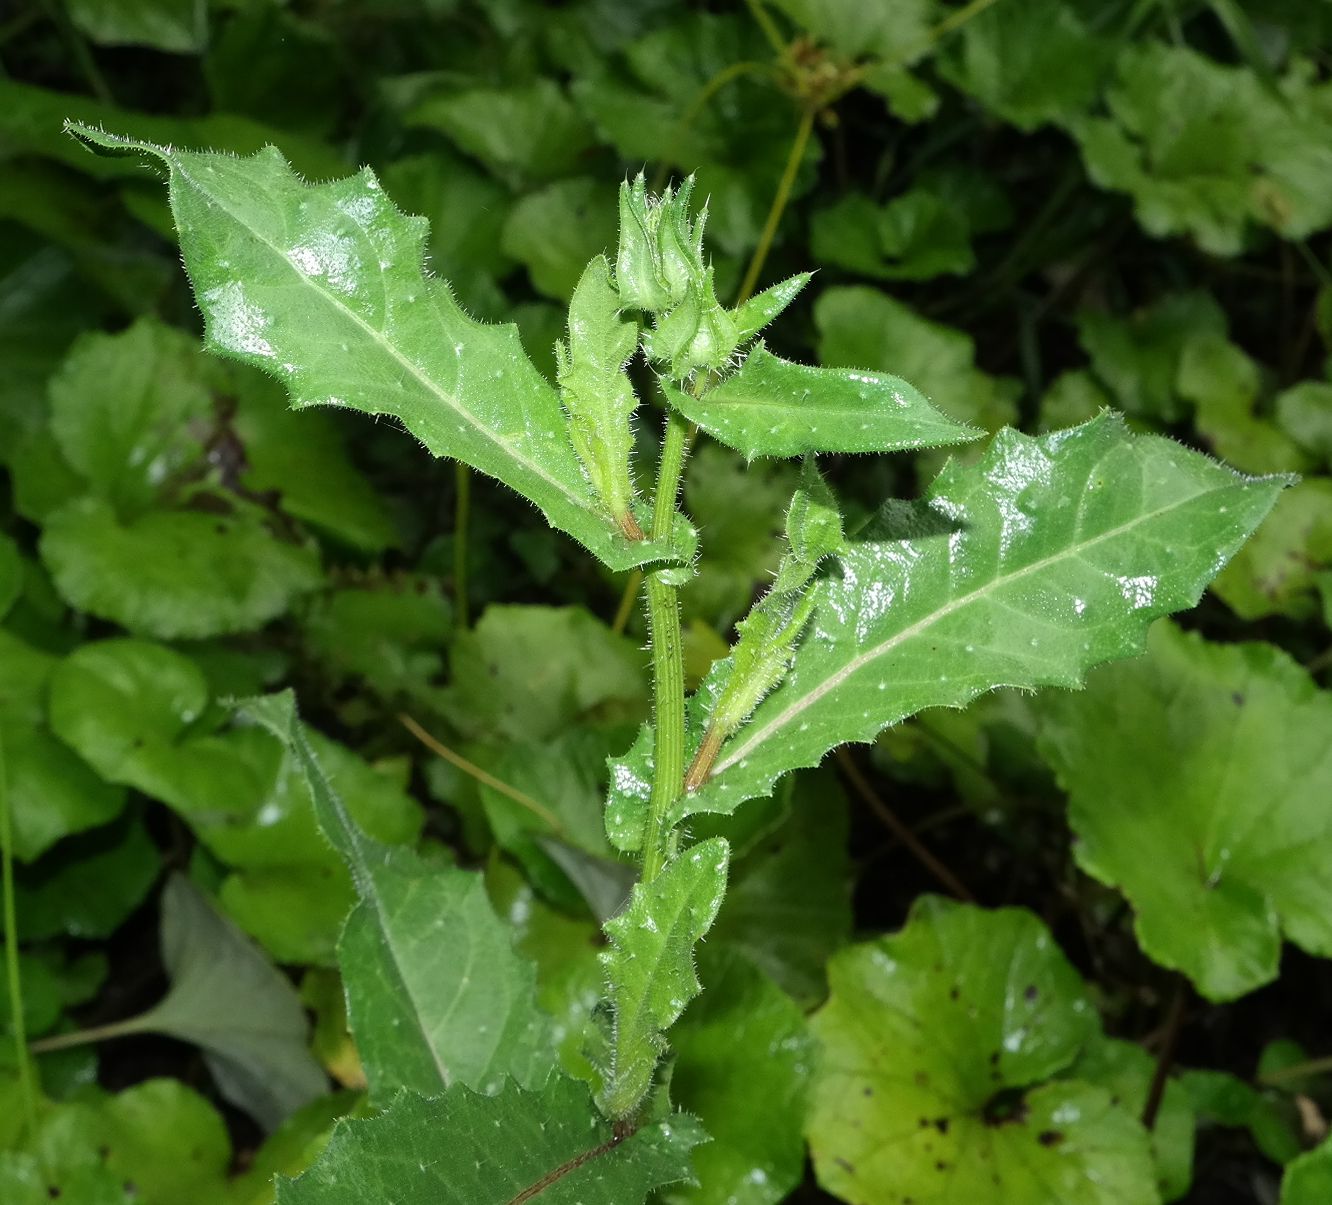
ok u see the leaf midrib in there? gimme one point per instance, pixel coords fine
(452, 401)
(856, 664)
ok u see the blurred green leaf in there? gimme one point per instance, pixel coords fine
(52, 793)
(175, 26)
(1206, 150)
(863, 328)
(228, 999)
(557, 229)
(526, 673)
(88, 887)
(788, 905)
(1030, 63)
(1167, 762)
(1127, 1071)
(178, 573)
(1277, 572)
(525, 133)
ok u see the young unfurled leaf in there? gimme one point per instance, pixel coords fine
(936, 1047)
(597, 392)
(549, 1145)
(1065, 547)
(1168, 761)
(771, 407)
(436, 994)
(762, 308)
(650, 965)
(323, 286)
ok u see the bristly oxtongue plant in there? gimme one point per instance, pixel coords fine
(1025, 568)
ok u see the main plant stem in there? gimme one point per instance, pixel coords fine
(22, 1057)
(663, 611)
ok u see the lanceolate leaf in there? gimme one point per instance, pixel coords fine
(436, 994)
(323, 286)
(650, 965)
(1065, 548)
(771, 407)
(549, 1146)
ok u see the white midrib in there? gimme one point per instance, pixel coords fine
(371, 897)
(452, 401)
(834, 680)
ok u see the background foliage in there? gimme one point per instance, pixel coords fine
(1031, 210)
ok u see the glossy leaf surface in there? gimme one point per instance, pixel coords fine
(436, 994)
(1064, 548)
(1177, 799)
(934, 1046)
(650, 964)
(550, 1145)
(323, 287)
(771, 407)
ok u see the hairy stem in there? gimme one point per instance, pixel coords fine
(663, 611)
(22, 1056)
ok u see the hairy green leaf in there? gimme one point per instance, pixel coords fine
(596, 391)
(861, 327)
(771, 407)
(436, 994)
(549, 1145)
(650, 965)
(1168, 763)
(1064, 548)
(934, 1048)
(323, 286)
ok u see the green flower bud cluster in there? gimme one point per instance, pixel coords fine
(659, 268)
